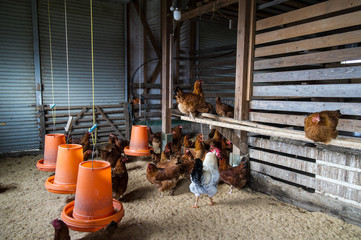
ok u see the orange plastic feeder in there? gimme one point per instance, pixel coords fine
(66, 173)
(52, 141)
(94, 206)
(138, 142)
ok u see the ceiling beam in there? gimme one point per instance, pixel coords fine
(206, 9)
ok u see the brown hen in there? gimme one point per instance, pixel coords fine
(321, 126)
(188, 103)
(165, 179)
(223, 109)
(235, 176)
(120, 177)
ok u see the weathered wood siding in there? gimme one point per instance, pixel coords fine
(298, 70)
(334, 173)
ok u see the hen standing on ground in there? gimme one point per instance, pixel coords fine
(165, 179)
(155, 140)
(120, 177)
(321, 126)
(205, 177)
(235, 176)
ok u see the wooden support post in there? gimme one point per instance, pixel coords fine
(242, 62)
(166, 111)
(127, 121)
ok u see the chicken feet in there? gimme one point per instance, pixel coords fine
(211, 203)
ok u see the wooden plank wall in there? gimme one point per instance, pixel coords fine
(298, 70)
(334, 173)
(109, 118)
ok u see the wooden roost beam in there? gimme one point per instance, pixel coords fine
(213, 120)
(166, 111)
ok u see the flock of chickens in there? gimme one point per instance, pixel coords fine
(181, 158)
(194, 102)
(319, 126)
(203, 162)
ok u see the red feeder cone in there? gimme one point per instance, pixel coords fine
(94, 206)
(66, 173)
(138, 142)
(52, 141)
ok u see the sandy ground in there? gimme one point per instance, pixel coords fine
(27, 209)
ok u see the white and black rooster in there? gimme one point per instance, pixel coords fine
(205, 176)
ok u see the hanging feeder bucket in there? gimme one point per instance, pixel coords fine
(138, 142)
(66, 173)
(52, 141)
(94, 206)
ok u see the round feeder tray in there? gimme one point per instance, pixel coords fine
(45, 167)
(138, 153)
(59, 188)
(93, 224)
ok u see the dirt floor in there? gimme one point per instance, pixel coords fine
(27, 209)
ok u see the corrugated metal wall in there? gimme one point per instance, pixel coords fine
(18, 126)
(18, 117)
(109, 52)
(215, 34)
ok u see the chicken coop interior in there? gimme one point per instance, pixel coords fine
(269, 87)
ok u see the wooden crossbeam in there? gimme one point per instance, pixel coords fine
(206, 8)
(76, 118)
(110, 122)
(147, 29)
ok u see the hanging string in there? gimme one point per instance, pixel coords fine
(140, 73)
(94, 138)
(53, 109)
(67, 56)
(67, 62)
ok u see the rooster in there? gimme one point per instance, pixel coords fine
(223, 109)
(235, 176)
(321, 126)
(205, 177)
(188, 103)
(120, 177)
